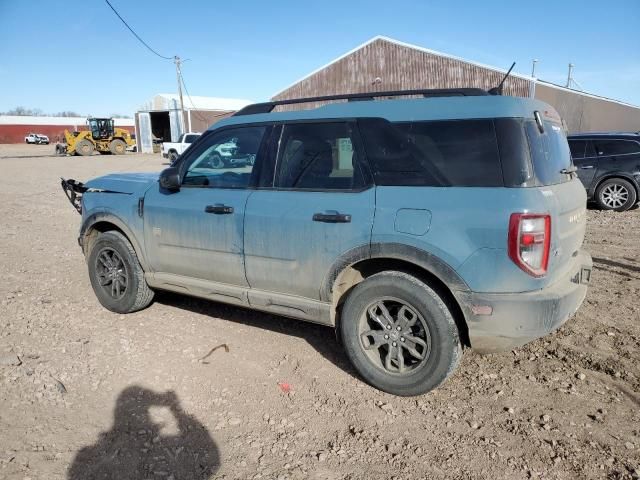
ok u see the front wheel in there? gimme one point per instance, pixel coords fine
(118, 147)
(399, 334)
(116, 275)
(616, 194)
(84, 147)
(173, 156)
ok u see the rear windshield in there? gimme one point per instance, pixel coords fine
(550, 152)
(444, 153)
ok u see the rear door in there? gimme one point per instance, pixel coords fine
(318, 205)
(617, 155)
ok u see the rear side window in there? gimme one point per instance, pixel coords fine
(616, 147)
(318, 156)
(550, 152)
(446, 153)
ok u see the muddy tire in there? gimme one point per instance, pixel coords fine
(118, 147)
(84, 148)
(399, 334)
(616, 194)
(116, 275)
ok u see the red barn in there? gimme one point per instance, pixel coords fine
(13, 129)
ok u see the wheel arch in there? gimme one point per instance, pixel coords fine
(362, 262)
(623, 176)
(101, 222)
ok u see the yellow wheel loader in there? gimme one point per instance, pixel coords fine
(102, 137)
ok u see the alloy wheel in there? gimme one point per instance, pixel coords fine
(112, 273)
(394, 336)
(614, 195)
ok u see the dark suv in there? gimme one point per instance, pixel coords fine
(609, 167)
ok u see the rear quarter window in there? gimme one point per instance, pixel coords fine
(460, 153)
(550, 152)
(616, 147)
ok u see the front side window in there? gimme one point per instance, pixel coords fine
(225, 159)
(318, 157)
(460, 153)
(190, 138)
(577, 148)
(616, 147)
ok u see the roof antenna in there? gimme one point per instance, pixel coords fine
(498, 90)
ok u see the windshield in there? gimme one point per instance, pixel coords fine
(550, 152)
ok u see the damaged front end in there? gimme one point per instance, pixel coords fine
(74, 191)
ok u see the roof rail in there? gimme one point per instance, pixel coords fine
(267, 107)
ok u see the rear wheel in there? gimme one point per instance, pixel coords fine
(399, 334)
(116, 275)
(84, 147)
(616, 194)
(118, 147)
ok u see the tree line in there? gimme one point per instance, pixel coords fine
(36, 112)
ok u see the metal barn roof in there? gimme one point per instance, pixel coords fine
(171, 101)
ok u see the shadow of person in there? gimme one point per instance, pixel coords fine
(151, 437)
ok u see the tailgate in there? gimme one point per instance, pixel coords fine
(566, 202)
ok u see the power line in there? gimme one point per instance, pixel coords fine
(135, 34)
(195, 111)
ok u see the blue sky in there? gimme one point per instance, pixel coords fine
(57, 57)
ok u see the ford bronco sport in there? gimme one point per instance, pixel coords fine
(413, 226)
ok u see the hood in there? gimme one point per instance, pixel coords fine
(123, 182)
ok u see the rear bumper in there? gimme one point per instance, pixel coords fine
(518, 318)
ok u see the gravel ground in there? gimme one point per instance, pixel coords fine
(85, 393)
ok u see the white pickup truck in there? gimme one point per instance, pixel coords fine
(37, 138)
(172, 150)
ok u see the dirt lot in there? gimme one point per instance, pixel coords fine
(99, 395)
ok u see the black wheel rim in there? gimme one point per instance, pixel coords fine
(111, 273)
(394, 336)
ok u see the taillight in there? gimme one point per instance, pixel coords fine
(530, 241)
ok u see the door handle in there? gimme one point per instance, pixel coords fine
(332, 216)
(586, 167)
(218, 209)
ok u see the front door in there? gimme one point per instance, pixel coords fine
(318, 206)
(584, 158)
(198, 231)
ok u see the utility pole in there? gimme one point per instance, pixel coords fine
(533, 68)
(569, 79)
(177, 61)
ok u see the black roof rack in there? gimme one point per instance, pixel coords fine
(267, 107)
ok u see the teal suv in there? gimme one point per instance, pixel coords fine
(413, 226)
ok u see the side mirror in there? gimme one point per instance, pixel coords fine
(170, 179)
